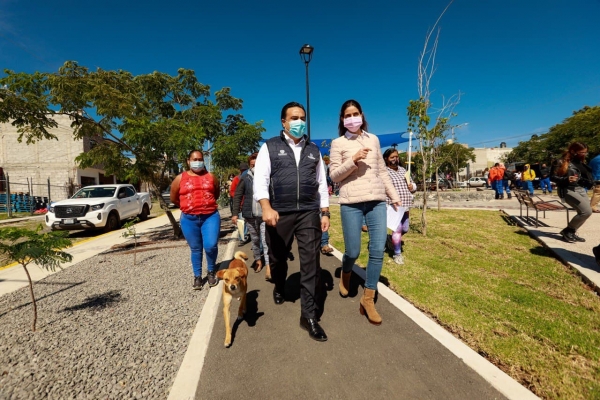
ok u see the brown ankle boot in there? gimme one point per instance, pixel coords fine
(345, 283)
(367, 306)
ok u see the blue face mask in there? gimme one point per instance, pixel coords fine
(297, 128)
(196, 165)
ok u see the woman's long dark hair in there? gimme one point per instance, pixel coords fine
(348, 103)
(573, 149)
(387, 155)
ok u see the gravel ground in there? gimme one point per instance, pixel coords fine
(106, 329)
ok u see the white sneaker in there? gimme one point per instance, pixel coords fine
(398, 259)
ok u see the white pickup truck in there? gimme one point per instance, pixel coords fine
(99, 206)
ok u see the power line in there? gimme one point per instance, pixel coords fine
(22, 46)
(511, 137)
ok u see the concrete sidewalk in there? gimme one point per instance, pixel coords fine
(408, 356)
(14, 278)
(577, 255)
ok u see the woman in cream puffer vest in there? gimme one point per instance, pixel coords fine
(357, 164)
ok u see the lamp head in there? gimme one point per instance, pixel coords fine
(306, 53)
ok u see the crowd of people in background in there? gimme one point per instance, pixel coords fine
(282, 193)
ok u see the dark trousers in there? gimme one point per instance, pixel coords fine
(306, 227)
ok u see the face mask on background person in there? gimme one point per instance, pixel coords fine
(353, 124)
(297, 128)
(196, 165)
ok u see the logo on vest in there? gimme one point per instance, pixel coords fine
(282, 152)
(311, 156)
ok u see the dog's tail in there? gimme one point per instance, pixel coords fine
(240, 255)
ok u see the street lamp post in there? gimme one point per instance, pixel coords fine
(306, 55)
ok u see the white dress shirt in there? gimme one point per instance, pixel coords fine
(262, 172)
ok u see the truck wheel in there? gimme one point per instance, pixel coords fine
(112, 222)
(145, 213)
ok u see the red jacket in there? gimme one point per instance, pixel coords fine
(234, 184)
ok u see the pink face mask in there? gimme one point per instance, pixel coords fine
(353, 124)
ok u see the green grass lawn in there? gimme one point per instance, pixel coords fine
(4, 215)
(501, 292)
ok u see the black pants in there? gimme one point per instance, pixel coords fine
(306, 227)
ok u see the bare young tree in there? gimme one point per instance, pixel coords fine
(430, 125)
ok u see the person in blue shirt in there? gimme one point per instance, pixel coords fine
(595, 166)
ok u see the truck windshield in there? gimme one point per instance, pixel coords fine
(95, 192)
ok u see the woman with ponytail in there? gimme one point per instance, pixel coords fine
(572, 178)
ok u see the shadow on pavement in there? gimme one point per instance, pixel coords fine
(38, 299)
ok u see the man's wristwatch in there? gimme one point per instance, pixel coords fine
(326, 214)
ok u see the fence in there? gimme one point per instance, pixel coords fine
(24, 197)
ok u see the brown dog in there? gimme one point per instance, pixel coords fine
(235, 284)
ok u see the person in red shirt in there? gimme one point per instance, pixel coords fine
(196, 192)
(236, 180)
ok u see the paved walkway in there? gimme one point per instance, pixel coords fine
(408, 356)
(272, 357)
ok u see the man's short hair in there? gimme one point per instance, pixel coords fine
(291, 104)
(243, 166)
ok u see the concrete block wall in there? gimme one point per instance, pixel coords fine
(53, 159)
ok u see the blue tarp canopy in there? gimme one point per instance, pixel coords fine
(385, 140)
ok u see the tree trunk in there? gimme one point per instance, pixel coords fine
(164, 206)
(32, 298)
(423, 216)
(437, 187)
(134, 248)
(176, 228)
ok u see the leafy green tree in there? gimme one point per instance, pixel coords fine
(144, 125)
(455, 156)
(582, 126)
(26, 246)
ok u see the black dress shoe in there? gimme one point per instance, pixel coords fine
(278, 297)
(314, 329)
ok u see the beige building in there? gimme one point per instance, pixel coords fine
(486, 158)
(31, 166)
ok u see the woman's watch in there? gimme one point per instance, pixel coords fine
(326, 214)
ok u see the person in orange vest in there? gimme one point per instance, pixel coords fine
(495, 177)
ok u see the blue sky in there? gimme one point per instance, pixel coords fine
(521, 65)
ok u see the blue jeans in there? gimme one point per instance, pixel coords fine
(497, 186)
(506, 186)
(325, 239)
(324, 236)
(375, 214)
(202, 232)
(545, 184)
(528, 185)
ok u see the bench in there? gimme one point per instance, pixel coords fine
(538, 204)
